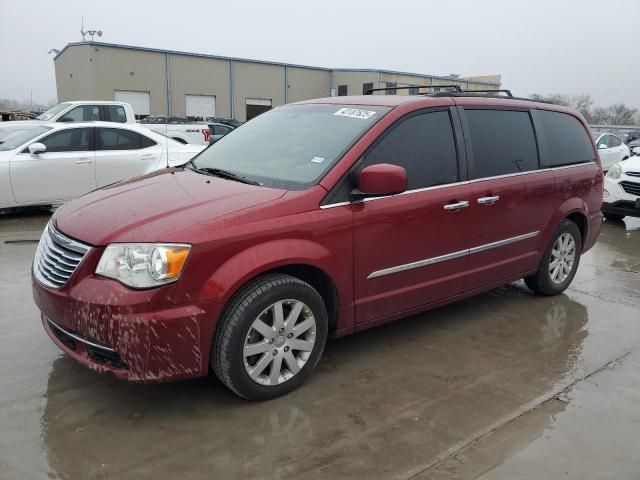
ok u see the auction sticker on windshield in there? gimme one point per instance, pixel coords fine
(355, 113)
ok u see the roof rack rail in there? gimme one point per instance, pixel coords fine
(506, 92)
(455, 88)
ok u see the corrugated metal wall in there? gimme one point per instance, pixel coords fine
(95, 71)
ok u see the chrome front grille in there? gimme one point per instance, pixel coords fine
(57, 257)
(631, 187)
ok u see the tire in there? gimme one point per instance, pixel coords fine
(613, 217)
(542, 282)
(239, 333)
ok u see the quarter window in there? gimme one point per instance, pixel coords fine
(83, 113)
(68, 140)
(424, 145)
(568, 142)
(119, 139)
(502, 141)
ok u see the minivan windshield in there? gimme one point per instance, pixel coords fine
(53, 111)
(12, 141)
(290, 147)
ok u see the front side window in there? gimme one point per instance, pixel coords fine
(83, 113)
(68, 140)
(567, 141)
(116, 113)
(424, 145)
(503, 142)
(119, 139)
(293, 146)
(221, 130)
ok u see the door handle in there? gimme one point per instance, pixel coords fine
(488, 200)
(147, 157)
(456, 206)
(83, 161)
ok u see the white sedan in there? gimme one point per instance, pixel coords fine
(53, 163)
(611, 149)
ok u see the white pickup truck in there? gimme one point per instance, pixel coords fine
(107, 111)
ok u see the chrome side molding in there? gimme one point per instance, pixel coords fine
(453, 255)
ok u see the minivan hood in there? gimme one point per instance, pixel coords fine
(159, 207)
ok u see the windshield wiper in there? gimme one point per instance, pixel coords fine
(218, 172)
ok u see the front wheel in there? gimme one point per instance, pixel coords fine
(270, 337)
(560, 261)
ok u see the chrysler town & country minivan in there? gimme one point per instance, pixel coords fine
(319, 218)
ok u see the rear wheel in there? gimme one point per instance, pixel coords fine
(560, 261)
(270, 337)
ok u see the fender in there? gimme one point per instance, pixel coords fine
(566, 208)
(250, 263)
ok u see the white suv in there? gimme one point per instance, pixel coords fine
(611, 149)
(622, 190)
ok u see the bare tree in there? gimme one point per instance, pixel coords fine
(617, 114)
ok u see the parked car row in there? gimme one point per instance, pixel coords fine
(51, 163)
(180, 129)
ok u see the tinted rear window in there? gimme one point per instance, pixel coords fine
(567, 141)
(503, 142)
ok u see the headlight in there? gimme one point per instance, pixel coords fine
(143, 265)
(614, 172)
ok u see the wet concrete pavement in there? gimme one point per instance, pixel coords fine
(504, 385)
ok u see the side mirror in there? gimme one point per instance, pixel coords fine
(36, 148)
(382, 179)
(602, 146)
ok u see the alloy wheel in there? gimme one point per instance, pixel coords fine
(563, 256)
(279, 342)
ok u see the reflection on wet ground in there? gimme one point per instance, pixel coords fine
(493, 385)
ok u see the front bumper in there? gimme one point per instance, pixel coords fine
(622, 207)
(619, 202)
(128, 333)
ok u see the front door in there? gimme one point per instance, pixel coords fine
(410, 249)
(66, 170)
(511, 196)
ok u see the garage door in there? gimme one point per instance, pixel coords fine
(256, 106)
(200, 106)
(140, 101)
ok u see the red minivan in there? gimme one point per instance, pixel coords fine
(319, 218)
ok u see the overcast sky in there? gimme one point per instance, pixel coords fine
(539, 46)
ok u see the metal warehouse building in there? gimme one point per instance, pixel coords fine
(164, 82)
